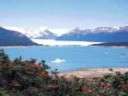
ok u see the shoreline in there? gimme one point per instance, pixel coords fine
(93, 72)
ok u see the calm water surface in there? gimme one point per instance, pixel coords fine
(72, 58)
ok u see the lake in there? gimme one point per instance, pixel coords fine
(67, 58)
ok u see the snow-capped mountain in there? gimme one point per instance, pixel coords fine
(46, 34)
(99, 34)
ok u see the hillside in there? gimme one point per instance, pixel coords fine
(13, 38)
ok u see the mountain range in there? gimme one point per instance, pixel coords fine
(99, 34)
(13, 38)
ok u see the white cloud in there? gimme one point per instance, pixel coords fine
(58, 61)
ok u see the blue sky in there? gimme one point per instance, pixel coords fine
(63, 13)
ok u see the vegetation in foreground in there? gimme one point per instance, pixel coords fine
(30, 78)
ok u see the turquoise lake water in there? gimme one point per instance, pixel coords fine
(72, 57)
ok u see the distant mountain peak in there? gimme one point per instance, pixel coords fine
(46, 34)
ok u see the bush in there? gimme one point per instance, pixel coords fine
(30, 78)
